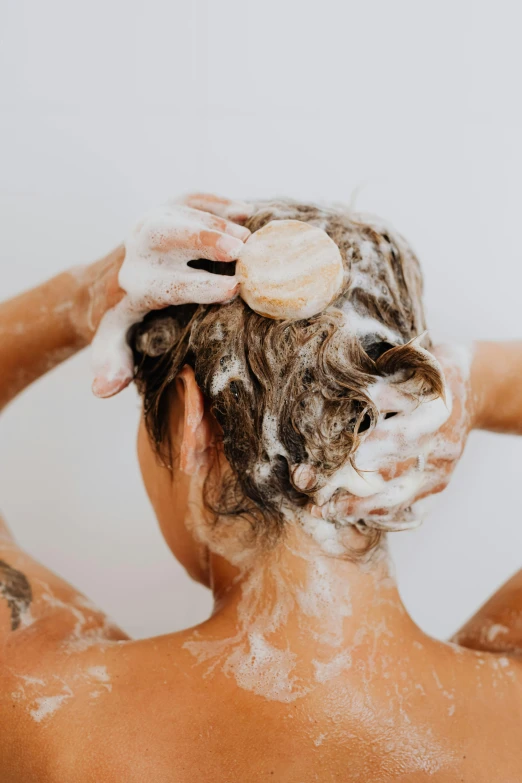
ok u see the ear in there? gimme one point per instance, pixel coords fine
(197, 434)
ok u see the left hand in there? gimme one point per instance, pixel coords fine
(425, 459)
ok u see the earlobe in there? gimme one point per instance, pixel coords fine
(196, 430)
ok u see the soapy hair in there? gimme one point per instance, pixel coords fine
(292, 393)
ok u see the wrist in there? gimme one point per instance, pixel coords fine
(98, 291)
(481, 385)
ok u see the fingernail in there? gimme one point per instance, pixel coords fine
(104, 388)
(230, 246)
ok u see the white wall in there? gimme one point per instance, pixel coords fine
(110, 106)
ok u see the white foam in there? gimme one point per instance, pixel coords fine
(364, 325)
(323, 532)
(496, 630)
(347, 477)
(222, 378)
(400, 438)
(47, 706)
(155, 274)
(329, 670)
(99, 673)
(264, 669)
(404, 456)
(271, 442)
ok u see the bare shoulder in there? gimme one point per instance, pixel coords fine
(41, 611)
(144, 710)
(497, 625)
(482, 686)
(51, 647)
(92, 709)
(79, 700)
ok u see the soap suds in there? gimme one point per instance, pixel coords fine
(232, 370)
(403, 457)
(48, 705)
(333, 668)
(91, 627)
(263, 669)
(496, 630)
(256, 655)
(99, 673)
(155, 274)
(43, 697)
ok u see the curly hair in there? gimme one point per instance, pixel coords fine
(292, 393)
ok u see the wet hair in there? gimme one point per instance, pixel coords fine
(292, 393)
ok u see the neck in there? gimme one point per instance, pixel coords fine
(291, 615)
(299, 586)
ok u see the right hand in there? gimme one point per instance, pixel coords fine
(155, 274)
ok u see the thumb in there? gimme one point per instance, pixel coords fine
(112, 358)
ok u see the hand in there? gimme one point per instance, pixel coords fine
(155, 274)
(418, 459)
(237, 211)
(97, 292)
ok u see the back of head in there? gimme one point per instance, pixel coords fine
(292, 397)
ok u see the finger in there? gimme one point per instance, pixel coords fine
(209, 244)
(345, 505)
(432, 490)
(112, 357)
(225, 226)
(397, 469)
(206, 288)
(103, 387)
(218, 247)
(235, 210)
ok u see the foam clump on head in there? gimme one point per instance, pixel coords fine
(289, 269)
(294, 398)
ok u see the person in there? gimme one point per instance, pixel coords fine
(309, 668)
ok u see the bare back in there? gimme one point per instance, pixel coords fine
(78, 706)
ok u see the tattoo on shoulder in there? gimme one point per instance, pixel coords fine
(15, 588)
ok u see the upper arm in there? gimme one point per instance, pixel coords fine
(41, 613)
(497, 626)
(496, 374)
(53, 654)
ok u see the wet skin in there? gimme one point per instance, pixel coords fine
(309, 668)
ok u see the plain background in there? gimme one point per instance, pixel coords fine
(108, 107)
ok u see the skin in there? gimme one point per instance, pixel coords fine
(373, 697)
(444, 448)
(155, 274)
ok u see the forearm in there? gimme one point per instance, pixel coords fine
(497, 626)
(496, 382)
(44, 326)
